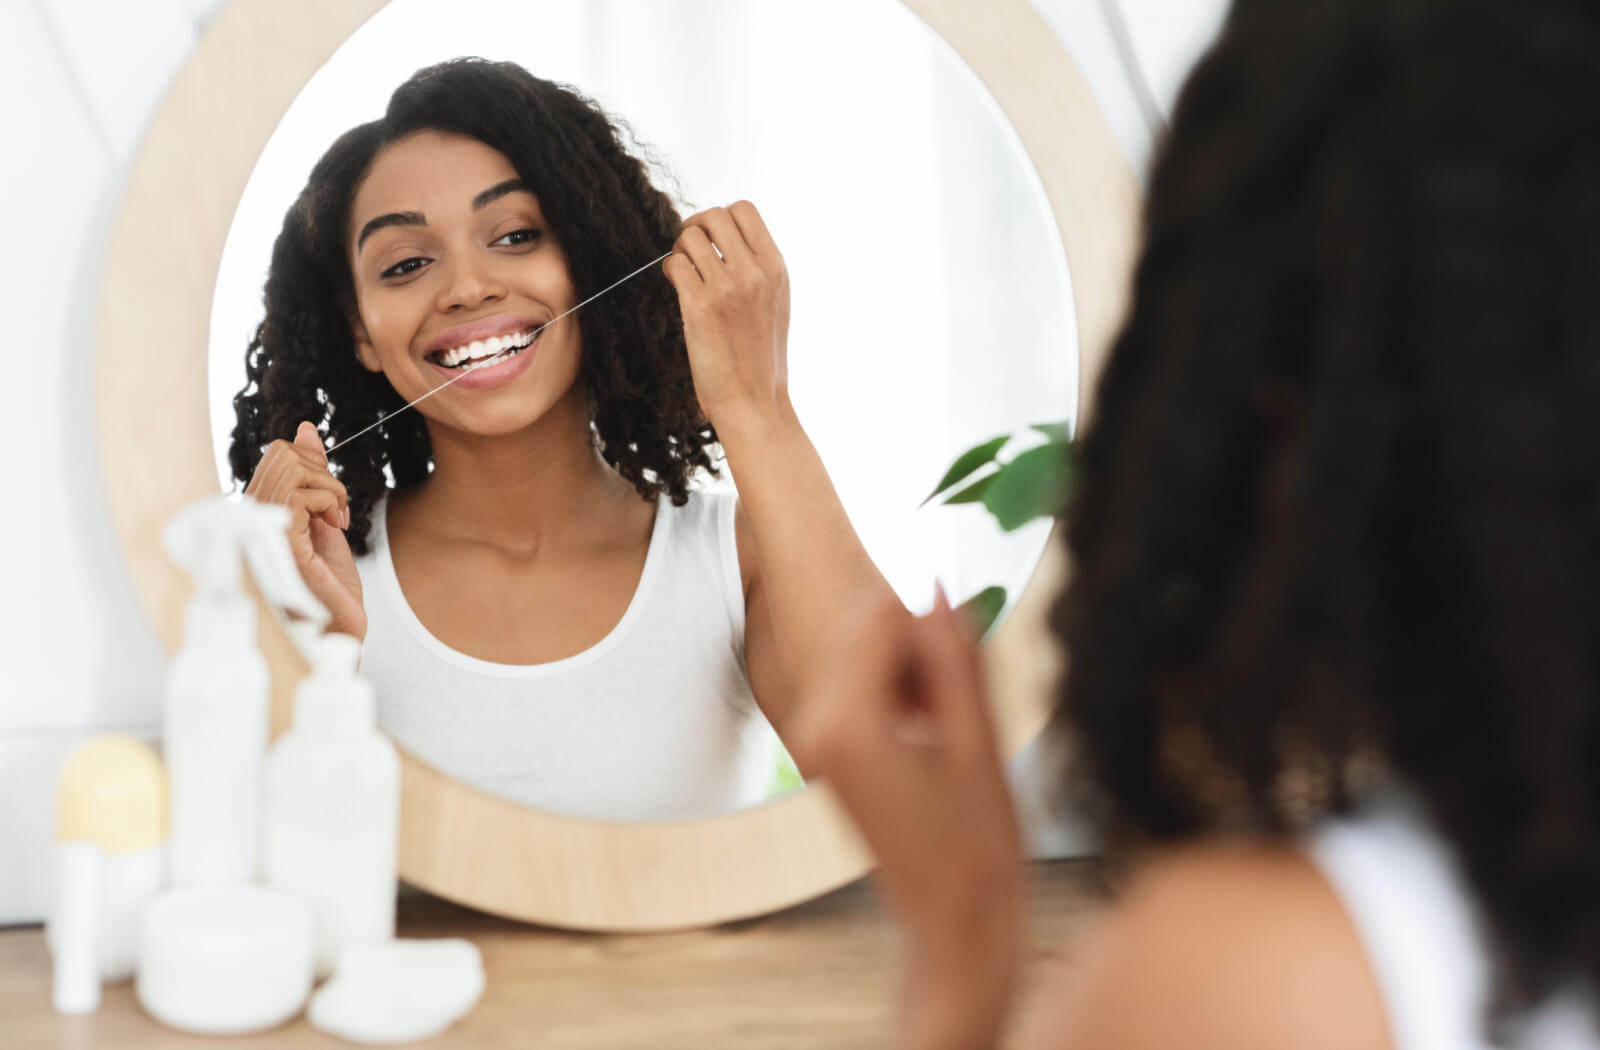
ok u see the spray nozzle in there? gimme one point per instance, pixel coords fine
(208, 537)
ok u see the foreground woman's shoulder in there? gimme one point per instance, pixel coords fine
(1217, 946)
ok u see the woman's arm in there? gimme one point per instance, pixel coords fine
(801, 559)
(898, 722)
(1211, 947)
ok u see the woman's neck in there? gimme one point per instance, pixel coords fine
(545, 486)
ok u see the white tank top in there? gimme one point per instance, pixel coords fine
(655, 721)
(1423, 936)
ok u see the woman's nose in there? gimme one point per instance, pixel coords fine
(468, 285)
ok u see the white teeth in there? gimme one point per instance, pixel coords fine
(481, 350)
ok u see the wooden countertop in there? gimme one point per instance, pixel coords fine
(820, 975)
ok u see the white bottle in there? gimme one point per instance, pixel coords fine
(333, 804)
(110, 820)
(216, 706)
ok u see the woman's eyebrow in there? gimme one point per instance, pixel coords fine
(394, 218)
(416, 218)
(495, 192)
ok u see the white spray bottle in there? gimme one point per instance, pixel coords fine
(216, 708)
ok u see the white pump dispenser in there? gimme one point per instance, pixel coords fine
(217, 689)
(333, 806)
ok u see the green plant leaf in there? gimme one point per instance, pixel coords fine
(973, 493)
(968, 462)
(982, 608)
(1055, 433)
(785, 777)
(1033, 485)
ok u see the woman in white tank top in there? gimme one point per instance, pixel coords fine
(553, 610)
(1333, 630)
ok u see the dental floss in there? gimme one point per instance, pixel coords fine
(472, 368)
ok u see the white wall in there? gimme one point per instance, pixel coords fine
(80, 78)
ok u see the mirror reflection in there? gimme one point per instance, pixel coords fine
(590, 565)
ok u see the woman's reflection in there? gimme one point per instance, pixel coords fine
(553, 610)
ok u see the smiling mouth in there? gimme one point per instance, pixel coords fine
(484, 353)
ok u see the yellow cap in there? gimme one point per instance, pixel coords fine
(113, 792)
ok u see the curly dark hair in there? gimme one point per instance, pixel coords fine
(603, 210)
(1337, 516)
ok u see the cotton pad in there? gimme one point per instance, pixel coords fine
(399, 991)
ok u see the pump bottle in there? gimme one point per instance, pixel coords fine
(332, 806)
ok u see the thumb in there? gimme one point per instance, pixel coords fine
(306, 437)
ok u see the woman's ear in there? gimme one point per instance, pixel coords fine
(364, 349)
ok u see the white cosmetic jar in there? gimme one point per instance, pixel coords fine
(225, 960)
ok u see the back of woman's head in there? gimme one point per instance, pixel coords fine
(603, 210)
(1338, 511)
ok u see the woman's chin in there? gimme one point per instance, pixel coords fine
(497, 425)
(503, 410)
(507, 416)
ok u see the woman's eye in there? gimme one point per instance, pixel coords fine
(526, 236)
(403, 267)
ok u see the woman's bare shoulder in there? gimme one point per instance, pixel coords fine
(1227, 945)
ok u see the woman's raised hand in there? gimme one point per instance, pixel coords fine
(733, 289)
(295, 474)
(898, 724)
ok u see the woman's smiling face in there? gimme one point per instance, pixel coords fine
(454, 268)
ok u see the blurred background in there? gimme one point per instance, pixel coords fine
(80, 78)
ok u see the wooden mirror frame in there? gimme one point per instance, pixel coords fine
(182, 188)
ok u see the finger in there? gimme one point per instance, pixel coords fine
(277, 481)
(307, 438)
(296, 468)
(958, 709)
(694, 243)
(316, 503)
(753, 228)
(725, 234)
(265, 466)
(299, 469)
(969, 635)
(681, 272)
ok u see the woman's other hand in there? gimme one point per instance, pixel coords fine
(898, 724)
(295, 474)
(733, 289)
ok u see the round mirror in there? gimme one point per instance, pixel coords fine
(931, 312)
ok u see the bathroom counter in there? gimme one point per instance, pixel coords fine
(819, 975)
